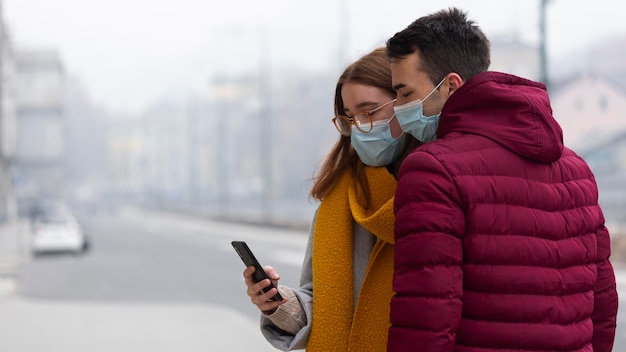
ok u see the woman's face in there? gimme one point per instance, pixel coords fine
(358, 97)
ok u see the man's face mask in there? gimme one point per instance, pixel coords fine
(412, 119)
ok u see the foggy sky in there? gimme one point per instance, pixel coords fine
(128, 53)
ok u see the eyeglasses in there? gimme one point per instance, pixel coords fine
(362, 121)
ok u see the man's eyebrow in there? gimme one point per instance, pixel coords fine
(399, 86)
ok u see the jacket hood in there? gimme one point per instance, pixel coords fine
(510, 110)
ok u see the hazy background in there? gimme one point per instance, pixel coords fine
(211, 106)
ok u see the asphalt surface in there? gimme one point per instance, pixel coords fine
(53, 304)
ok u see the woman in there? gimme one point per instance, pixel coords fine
(349, 258)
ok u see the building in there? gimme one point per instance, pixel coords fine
(8, 124)
(590, 109)
(163, 157)
(608, 161)
(40, 103)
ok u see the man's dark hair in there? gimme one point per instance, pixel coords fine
(445, 42)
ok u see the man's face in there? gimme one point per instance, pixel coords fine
(411, 83)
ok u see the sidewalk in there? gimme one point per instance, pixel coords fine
(40, 325)
(14, 252)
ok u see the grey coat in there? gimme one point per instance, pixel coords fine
(363, 243)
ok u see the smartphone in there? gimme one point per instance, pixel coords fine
(249, 259)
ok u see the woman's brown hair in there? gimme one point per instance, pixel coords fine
(373, 69)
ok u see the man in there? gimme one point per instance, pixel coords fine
(500, 241)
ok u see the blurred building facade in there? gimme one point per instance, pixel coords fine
(40, 104)
(608, 161)
(590, 109)
(150, 157)
(234, 149)
(8, 124)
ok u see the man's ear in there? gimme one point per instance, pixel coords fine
(453, 82)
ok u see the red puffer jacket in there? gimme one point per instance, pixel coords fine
(500, 242)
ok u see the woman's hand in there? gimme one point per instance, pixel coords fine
(255, 290)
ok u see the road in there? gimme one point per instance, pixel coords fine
(155, 282)
(149, 283)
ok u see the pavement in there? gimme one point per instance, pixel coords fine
(41, 325)
(14, 252)
(34, 325)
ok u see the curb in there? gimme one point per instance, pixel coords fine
(14, 247)
(8, 286)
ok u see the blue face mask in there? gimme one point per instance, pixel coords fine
(412, 119)
(377, 147)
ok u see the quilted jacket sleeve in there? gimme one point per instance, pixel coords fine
(605, 306)
(428, 280)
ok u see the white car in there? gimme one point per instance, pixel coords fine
(58, 232)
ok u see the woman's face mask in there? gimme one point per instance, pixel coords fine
(377, 147)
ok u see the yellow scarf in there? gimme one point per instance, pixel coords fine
(337, 325)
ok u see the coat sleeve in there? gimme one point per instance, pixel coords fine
(281, 339)
(605, 305)
(428, 279)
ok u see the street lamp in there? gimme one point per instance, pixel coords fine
(542, 45)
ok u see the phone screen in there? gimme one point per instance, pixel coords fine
(249, 259)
